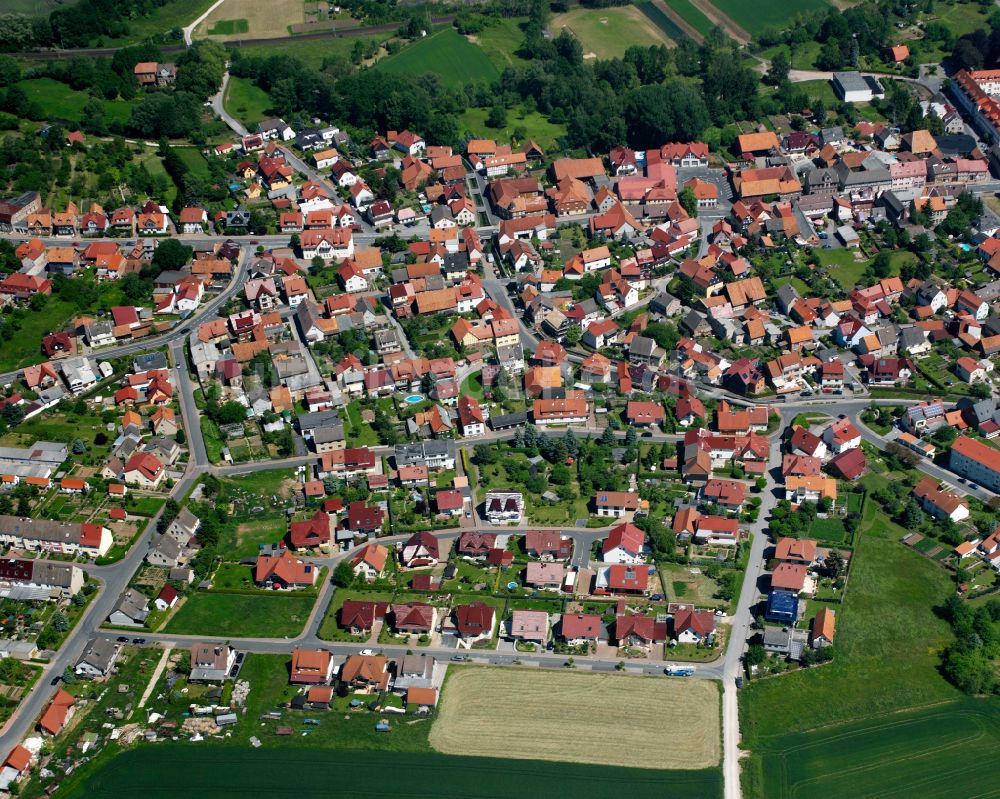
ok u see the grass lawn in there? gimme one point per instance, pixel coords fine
(65, 103)
(500, 40)
(798, 284)
(755, 17)
(447, 54)
(267, 615)
(819, 89)
(329, 629)
(535, 125)
(245, 101)
(803, 55)
(358, 432)
(888, 640)
(473, 385)
(686, 10)
(25, 347)
(843, 266)
(194, 160)
(680, 585)
(607, 32)
(828, 531)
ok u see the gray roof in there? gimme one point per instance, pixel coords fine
(851, 81)
(787, 294)
(776, 636)
(132, 604)
(317, 419)
(99, 654)
(641, 345)
(149, 360)
(410, 454)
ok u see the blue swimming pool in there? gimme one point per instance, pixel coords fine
(413, 399)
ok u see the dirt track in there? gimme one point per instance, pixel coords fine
(718, 18)
(689, 30)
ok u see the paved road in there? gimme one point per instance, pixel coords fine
(205, 311)
(114, 578)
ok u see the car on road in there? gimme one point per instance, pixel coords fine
(739, 682)
(254, 241)
(460, 658)
(367, 652)
(973, 486)
(139, 641)
(122, 639)
(55, 680)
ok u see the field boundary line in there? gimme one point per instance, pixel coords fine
(686, 27)
(722, 20)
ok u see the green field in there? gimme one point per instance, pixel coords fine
(887, 659)
(173, 14)
(536, 126)
(66, 104)
(843, 267)
(686, 10)
(607, 32)
(240, 771)
(756, 17)
(227, 27)
(26, 346)
(194, 160)
(266, 615)
(500, 39)
(245, 101)
(828, 531)
(902, 755)
(447, 54)
(311, 51)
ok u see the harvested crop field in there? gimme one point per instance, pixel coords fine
(237, 18)
(573, 716)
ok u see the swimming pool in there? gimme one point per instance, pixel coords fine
(413, 399)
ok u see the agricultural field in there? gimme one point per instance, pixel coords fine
(447, 54)
(670, 724)
(607, 32)
(756, 17)
(211, 771)
(687, 11)
(887, 661)
(227, 27)
(236, 18)
(905, 754)
(245, 101)
(311, 52)
(263, 615)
